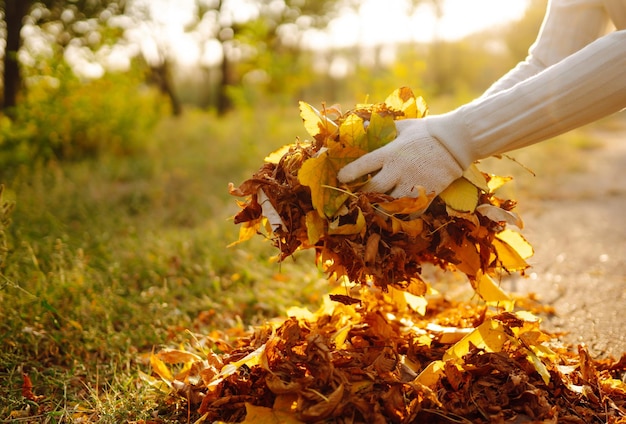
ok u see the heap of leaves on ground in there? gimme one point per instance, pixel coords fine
(296, 200)
(394, 351)
(393, 358)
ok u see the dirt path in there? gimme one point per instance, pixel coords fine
(579, 235)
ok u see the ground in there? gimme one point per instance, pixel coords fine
(579, 234)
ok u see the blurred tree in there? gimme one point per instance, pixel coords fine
(62, 15)
(267, 26)
(14, 12)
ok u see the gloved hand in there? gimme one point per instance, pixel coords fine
(414, 158)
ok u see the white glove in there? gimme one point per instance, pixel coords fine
(413, 159)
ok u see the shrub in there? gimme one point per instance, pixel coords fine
(63, 117)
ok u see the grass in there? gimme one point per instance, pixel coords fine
(109, 259)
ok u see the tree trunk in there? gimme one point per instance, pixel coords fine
(14, 11)
(224, 103)
(161, 75)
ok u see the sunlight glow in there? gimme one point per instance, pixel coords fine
(391, 21)
(377, 23)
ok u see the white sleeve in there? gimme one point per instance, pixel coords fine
(568, 26)
(584, 87)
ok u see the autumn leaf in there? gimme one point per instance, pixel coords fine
(497, 214)
(512, 249)
(297, 201)
(476, 177)
(316, 124)
(490, 336)
(320, 175)
(335, 228)
(495, 182)
(412, 228)
(492, 293)
(161, 369)
(380, 131)
(315, 227)
(403, 100)
(265, 415)
(352, 133)
(407, 205)
(461, 195)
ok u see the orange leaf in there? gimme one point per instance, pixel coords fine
(413, 227)
(408, 205)
(159, 367)
(264, 415)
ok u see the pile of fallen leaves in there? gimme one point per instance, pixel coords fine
(384, 347)
(296, 200)
(390, 359)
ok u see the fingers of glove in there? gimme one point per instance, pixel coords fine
(382, 182)
(406, 189)
(367, 163)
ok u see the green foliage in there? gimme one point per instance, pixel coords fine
(63, 117)
(5, 218)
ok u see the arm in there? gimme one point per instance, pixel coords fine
(586, 86)
(571, 78)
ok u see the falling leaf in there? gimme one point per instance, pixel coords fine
(517, 242)
(491, 292)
